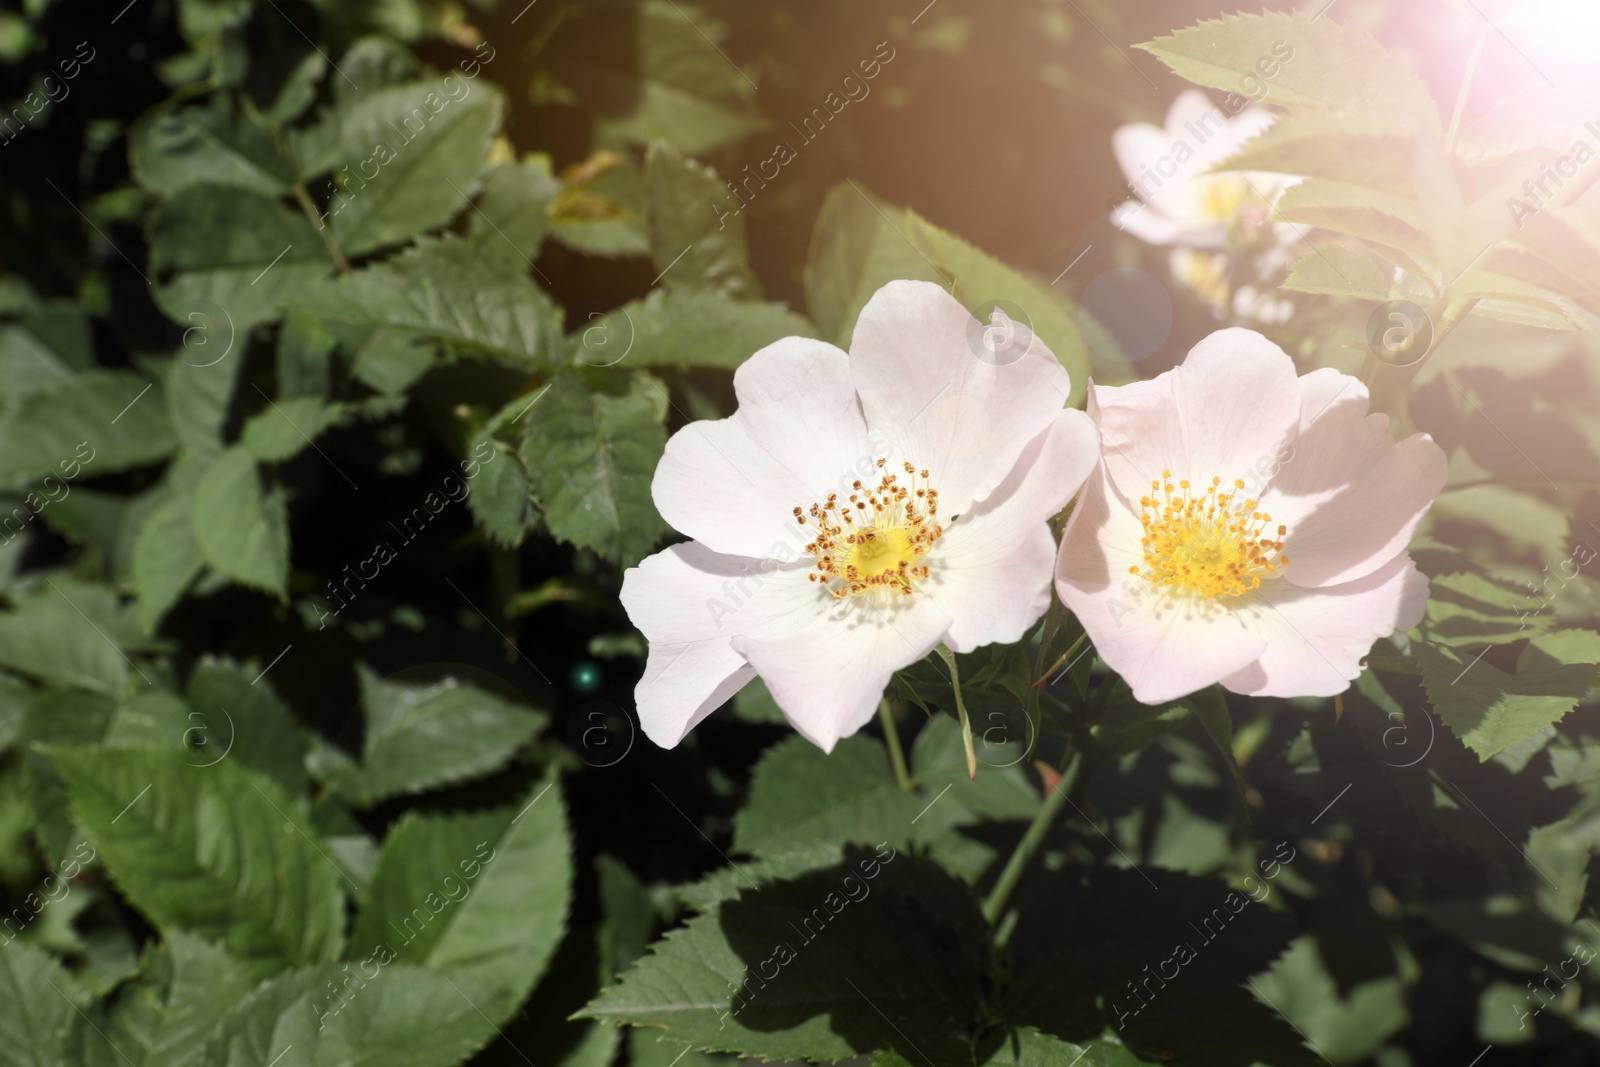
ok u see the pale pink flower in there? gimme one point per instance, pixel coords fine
(949, 466)
(1245, 526)
(1177, 202)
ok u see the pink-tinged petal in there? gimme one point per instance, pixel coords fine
(1137, 146)
(1230, 409)
(829, 675)
(1316, 638)
(690, 602)
(1163, 646)
(991, 570)
(1350, 495)
(797, 435)
(915, 359)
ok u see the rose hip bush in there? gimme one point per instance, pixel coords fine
(635, 532)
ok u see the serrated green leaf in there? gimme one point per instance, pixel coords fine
(482, 898)
(71, 633)
(685, 329)
(405, 158)
(1468, 610)
(39, 1004)
(198, 396)
(1346, 1026)
(389, 1015)
(1389, 221)
(1299, 61)
(694, 245)
(649, 72)
(166, 558)
(1335, 270)
(236, 715)
(1195, 941)
(420, 737)
(1490, 710)
(238, 251)
(218, 851)
(799, 970)
(1341, 147)
(500, 498)
(101, 422)
(288, 425)
(515, 205)
(164, 1017)
(242, 527)
(590, 458)
(461, 293)
(215, 142)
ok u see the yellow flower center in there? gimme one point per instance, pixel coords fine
(1204, 543)
(1204, 272)
(1222, 196)
(876, 539)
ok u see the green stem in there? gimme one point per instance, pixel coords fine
(961, 709)
(1063, 658)
(897, 756)
(1011, 876)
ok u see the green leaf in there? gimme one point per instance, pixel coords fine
(1468, 610)
(601, 210)
(166, 558)
(371, 1015)
(288, 425)
(656, 71)
(1342, 147)
(235, 250)
(859, 245)
(1025, 1047)
(685, 328)
(500, 499)
(1345, 1025)
(216, 142)
(242, 528)
(826, 966)
(1195, 941)
(102, 421)
(70, 633)
(1538, 123)
(1490, 710)
(1389, 222)
(1338, 270)
(1314, 64)
(805, 801)
(164, 1017)
(39, 1004)
(693, 243)
(590, 458)
(236, 715)
(1211, 708)
(466, 295)
(218, 851)
(515, 205)
(482, 898)
(199, 394)
(405, 159)
(420, 737)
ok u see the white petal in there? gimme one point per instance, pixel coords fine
(1350, 496)
(690, 602)
(1163, 646)
(991, 570)
(829, 675)
(915, 361)
(797, 435)
(1230, 409)
(1148, 224)
(1316, 638)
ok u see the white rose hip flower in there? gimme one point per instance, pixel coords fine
(1245, 526)
(1178, 202)
(855, 511)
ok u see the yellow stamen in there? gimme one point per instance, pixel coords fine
(1206, 544)
(876, 539)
